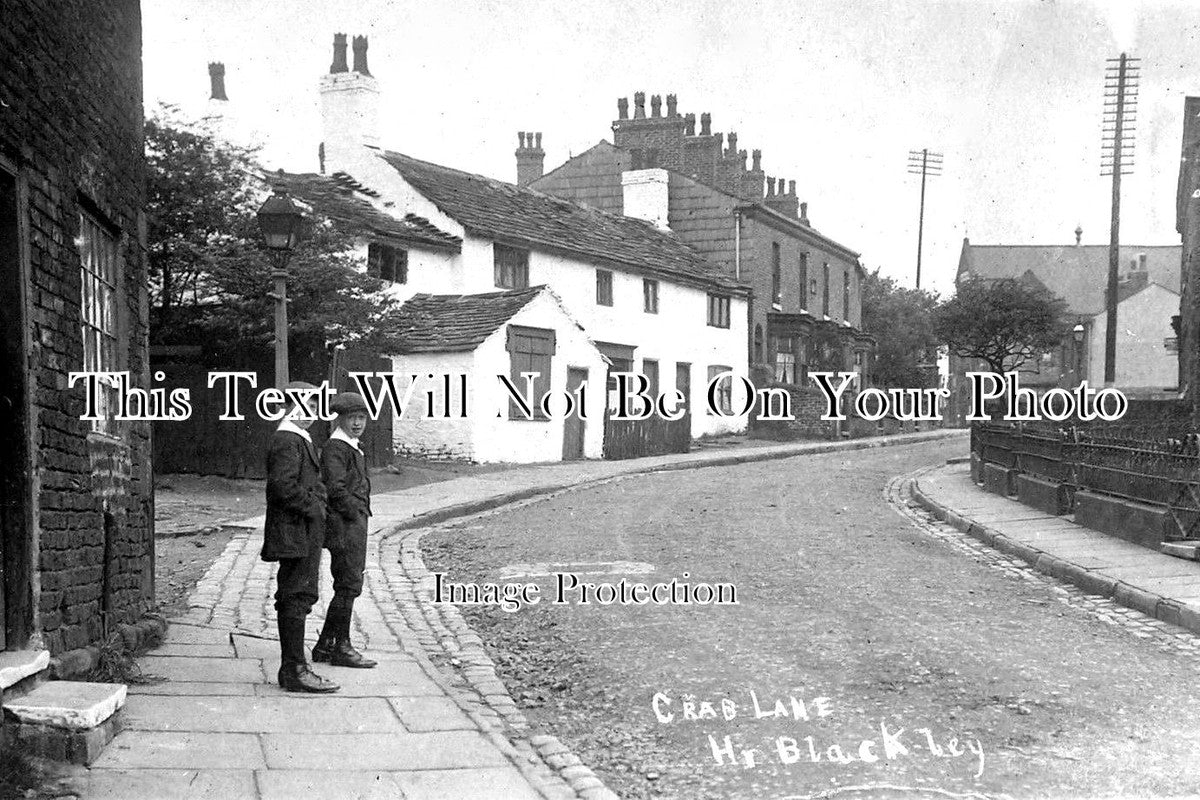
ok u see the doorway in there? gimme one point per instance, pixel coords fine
(16, 510)
(574, 425)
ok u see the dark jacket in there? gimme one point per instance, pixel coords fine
(344, 470)
(295, 523)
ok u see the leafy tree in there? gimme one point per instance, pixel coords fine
(1003, 323)
(901, 320)
(211, 275)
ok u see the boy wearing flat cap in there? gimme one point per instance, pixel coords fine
(293, 535)
(344, 470)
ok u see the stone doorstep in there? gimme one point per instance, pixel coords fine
(17, 665)
(69, 705)
(1186, 548)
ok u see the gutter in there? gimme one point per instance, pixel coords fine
(737, 244)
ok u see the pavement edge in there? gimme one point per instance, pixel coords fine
(1149, 603)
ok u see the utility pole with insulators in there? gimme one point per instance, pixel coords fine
(927, 164)
(1120, 114)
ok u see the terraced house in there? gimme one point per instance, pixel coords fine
(806, 311)
(566, 290)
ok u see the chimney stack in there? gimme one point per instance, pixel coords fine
(349, 107)
(339, 54)
(531, 158)
(646, 195)
(360, 55)
(689, 124)
(732, 143)
(770, 187)
(804, 214)
(672, 105)
(622, 108)
(706, 124)
(639, 105)
(756, 160)
(216, 78)
(656, 105)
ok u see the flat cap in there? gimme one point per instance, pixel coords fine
(348, 403)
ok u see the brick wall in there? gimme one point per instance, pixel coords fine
(70, 75)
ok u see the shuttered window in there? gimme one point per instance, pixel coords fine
(530, 350)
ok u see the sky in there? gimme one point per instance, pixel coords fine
(834, 92)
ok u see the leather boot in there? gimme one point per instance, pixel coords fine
(294, 674)
(327, 641)
(344, 654)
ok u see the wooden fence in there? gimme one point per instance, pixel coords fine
(653, 436)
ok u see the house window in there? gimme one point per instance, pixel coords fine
(511, 267)
(650, 296)
(650, 370)
(804, 280)
(529, 350)
(604, 293)
(718, 311)
(785, 360)
(825, 293)
(776, 277)
(389, 264)
(723, 397)
(846, 295)
(98, 311)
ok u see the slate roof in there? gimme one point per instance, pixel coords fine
(513, 214)
(452, 323)
(1076, 273)
(337, 199)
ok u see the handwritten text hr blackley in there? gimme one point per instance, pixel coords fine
(446, 397)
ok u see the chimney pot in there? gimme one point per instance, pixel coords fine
(672, 104)
(639, 105)
(622, 108)
(339, 54)
(537, 138)
(732, 142)
(792, 188)
(216, 76)
(1078, 234)
(706, 124)
(756, 158)
(770, 187)
(656, 105)
(804, 213)
(360, 55)
(689, 124)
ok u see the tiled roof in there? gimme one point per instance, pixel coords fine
(336, 198)
(1076, 273)
(449, 323)
(509, 213)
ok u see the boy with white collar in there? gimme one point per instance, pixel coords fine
(293, 535)
(344, 470)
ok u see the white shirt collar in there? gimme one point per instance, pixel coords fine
(338, 433)
(291, 427)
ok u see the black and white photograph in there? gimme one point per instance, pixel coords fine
(623, 400)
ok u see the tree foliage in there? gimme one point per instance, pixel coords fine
(211, 277)
(1003, 323)
(901, 320)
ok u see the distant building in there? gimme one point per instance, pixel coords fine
(1147, 298)
(1187, 222)
(76, 498)
(806, 311)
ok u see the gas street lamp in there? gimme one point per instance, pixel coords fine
(279, 220)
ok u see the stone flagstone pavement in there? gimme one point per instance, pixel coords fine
(218, 726)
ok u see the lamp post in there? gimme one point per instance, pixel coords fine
(1077, 333)
(279, 219)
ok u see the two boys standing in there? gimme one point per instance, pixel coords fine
(315, 503)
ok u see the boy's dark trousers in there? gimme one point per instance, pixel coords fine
(344, 471)
(293, 535)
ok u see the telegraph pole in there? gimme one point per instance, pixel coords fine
(926, 164)
(1120, 114)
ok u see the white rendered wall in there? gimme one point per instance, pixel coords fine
(1143, 322)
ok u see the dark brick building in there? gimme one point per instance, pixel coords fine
(806, 310)
(1187, 222)
(76, 500)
